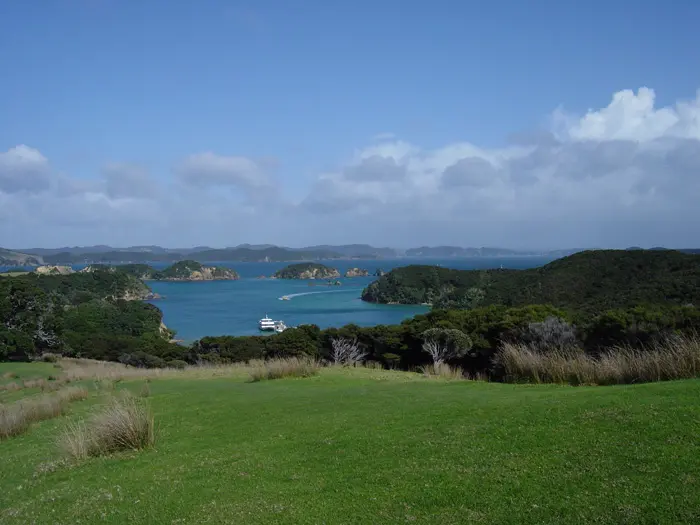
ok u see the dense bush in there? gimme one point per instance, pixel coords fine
(589, 282)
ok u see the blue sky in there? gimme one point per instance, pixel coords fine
(397, 123)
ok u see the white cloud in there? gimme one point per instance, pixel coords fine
(128, 181)
(23, 169)
(209, 169)
(626, 174)
(624, 161)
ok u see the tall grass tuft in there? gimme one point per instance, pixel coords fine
(126, 423)
(279, 368)
(443, 371)
(673, 358)
(15, 418)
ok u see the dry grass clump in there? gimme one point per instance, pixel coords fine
(34, 383)
(673, 358)
(11, 387)
(15, 418)
(443, 371)
(10, 375)
(145, 390)
(126, 423)
(279, 368)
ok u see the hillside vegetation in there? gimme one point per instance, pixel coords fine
(90, 314)
(591, 282)
(367, 446)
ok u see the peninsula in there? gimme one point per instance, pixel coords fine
(586, 281)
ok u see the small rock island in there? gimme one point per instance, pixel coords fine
(356, 272)
(305, 271)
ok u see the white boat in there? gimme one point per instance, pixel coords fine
(280, 327)
(266, 324)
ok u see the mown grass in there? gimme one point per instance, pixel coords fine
(352, 445)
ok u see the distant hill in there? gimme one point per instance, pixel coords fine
(355, 250)
(273, 254)
(262, 252)
(439, 252)
(586, 281)
(13, 258)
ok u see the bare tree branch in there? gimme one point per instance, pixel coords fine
(347, 352)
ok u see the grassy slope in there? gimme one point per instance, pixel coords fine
(343, 448)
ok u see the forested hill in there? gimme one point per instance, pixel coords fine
(90, 314)
(590, 281)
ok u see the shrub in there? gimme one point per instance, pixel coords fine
(552, 333)
(442, 371)
(279, 368)
(48, 357)
(125, 424)
(445, 343)
(347, 352)
(177, 363)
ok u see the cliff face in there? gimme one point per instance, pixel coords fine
(306, 271)
(54, 270)
(210, 273)
(356, 272)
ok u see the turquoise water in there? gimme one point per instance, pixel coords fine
(196, 309)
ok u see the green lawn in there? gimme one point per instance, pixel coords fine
(374, 447)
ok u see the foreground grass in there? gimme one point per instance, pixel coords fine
(364, 446)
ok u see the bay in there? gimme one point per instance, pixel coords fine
(198, 309)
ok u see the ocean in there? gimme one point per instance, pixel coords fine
(198, 309)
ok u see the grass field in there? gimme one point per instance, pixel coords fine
(368, 446)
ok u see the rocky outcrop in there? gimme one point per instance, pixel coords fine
(97, 268)
(306, 271)
(356, 272)
(54, 270)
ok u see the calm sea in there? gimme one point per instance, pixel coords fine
(197, 309)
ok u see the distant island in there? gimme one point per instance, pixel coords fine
(306, 271)
(194, 271)
(586, 281)
(188, 270)
(356, 272)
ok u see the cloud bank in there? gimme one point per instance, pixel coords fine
(626, 174)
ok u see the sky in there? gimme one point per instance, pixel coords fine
(535, 125)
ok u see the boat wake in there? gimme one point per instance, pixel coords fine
(293, 295)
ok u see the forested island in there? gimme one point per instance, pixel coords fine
(180, 271)
(589, 281)
(306, 271)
